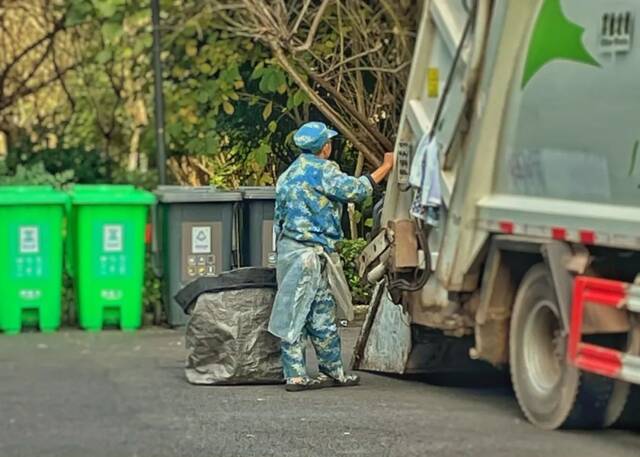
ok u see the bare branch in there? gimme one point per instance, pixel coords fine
(344, 62)
(28, 90)
(371, 156)
(314, 27)
(303, 11)
(63, 84)
(395, 70)
(7, 69)
(364, 122)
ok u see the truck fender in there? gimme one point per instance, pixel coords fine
(509, 258)
(557, 256)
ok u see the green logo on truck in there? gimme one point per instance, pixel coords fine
(554, 37)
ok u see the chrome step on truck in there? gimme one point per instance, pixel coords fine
(529, 111)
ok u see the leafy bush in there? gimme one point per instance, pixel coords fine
(152, 290)
(147, 180)
(34, 174)
(349, 251)
(89, 167)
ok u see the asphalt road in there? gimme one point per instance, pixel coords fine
(112, 394)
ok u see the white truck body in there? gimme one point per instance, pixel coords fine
(535, 109)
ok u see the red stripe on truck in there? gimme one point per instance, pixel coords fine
(599, 360)
(507, 227)
(558, 233)
(588, 236)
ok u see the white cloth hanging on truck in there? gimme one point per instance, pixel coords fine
(425, 178)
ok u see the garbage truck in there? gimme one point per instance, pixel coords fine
(522, 118)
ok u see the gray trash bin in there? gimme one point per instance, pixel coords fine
(258, 240)
(197, 236)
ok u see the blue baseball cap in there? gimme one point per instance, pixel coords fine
(312, 136)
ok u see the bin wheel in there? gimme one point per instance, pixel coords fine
(551, 393)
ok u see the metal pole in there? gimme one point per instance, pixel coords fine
(161, 157)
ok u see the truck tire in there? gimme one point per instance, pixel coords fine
(624, 406)
(551, 393)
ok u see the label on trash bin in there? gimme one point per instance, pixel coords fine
(112, 238)
(111, 294)
(29, 266)
(30, 294)
(112, 265)
(29, 239)
(201, 240)
(201, 251)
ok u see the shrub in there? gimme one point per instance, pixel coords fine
(349, 251)
(34, 174)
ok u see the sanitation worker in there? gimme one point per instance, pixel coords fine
(310, 196)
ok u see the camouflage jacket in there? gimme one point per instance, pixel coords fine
(309, 199)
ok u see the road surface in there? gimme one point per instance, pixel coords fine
(111, 394)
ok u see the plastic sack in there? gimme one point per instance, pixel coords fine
(227, 334)
(299, 278)
(339, 286)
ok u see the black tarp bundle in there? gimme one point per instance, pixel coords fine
(227, 334)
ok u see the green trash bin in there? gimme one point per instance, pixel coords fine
(107, 254)
(31, 249)
(258, 238)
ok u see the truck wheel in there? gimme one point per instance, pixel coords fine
(624, 404)
(624, 407)
(552, 394)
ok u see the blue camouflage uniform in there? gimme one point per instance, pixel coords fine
(309, 200)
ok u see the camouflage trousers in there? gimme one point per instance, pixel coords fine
(321, 329)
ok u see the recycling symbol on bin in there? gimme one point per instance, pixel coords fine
(112, 238)
(113, 235)
(200, 240)
(29, 240)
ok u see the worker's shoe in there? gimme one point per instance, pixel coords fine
(343, 380)
(306, 383)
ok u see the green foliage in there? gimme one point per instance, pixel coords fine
(88, 167)
(349, 251)
(34, 174)
(225, 97)
(69, 310)
(112, 89)
(145, 180)
(152, 297)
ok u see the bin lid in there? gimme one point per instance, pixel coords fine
(32, 195)
(198, 194)
(259, 193)
(110, 194)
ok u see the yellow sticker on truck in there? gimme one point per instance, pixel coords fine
(433, 82)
